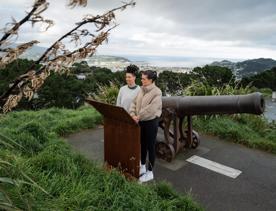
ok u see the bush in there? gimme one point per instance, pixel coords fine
(202, 88)
(107, 93)
(252, 131)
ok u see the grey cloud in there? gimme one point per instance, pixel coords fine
(246, 23)
(218, 19)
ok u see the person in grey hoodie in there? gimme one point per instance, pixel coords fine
(128, 92)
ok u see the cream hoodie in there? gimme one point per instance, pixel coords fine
(147, 104)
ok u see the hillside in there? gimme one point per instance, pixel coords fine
(105, 59)
(248, 67)
(36, 51)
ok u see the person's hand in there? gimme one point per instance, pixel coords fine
(136, 118)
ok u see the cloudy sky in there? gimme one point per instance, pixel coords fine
(194, 29)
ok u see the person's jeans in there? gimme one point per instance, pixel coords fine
(148, 138)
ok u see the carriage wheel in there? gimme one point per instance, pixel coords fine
(165, 151)
(195, 139)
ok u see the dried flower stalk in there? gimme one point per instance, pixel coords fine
(57, 58)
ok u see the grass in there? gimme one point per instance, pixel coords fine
(252, 131)
(39, 171)
(266, 92)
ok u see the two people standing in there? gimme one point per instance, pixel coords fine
(145, 107)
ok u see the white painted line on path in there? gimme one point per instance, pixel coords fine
(216, 167)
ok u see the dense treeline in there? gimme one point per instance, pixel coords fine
(66, 90)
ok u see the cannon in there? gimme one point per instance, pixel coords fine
(176, 108)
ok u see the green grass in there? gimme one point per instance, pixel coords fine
(39, 171)
(252, 131)
(266, 92)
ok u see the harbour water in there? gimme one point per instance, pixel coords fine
(270, 109)
(273, 96)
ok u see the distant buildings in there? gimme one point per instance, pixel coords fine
(120, 64)
(173, 69)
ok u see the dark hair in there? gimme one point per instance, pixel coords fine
(151, 74)
(133, 69)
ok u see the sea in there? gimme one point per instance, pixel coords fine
(270, 110)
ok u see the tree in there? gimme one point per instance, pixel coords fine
(11, 71)
(80, 67)
(266, 79)
(61, 90)
(172, 83)
(213, 75)
(57, 58)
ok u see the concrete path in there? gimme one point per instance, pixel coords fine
(253, 189)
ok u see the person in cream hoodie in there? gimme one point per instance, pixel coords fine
(146, 109)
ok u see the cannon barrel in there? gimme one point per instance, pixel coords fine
(175, 109)
(222, 104)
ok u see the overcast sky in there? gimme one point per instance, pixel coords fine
(236, 29)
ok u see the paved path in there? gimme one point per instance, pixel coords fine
(254, 189)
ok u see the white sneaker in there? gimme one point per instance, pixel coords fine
(146, 177)
(143, 170)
